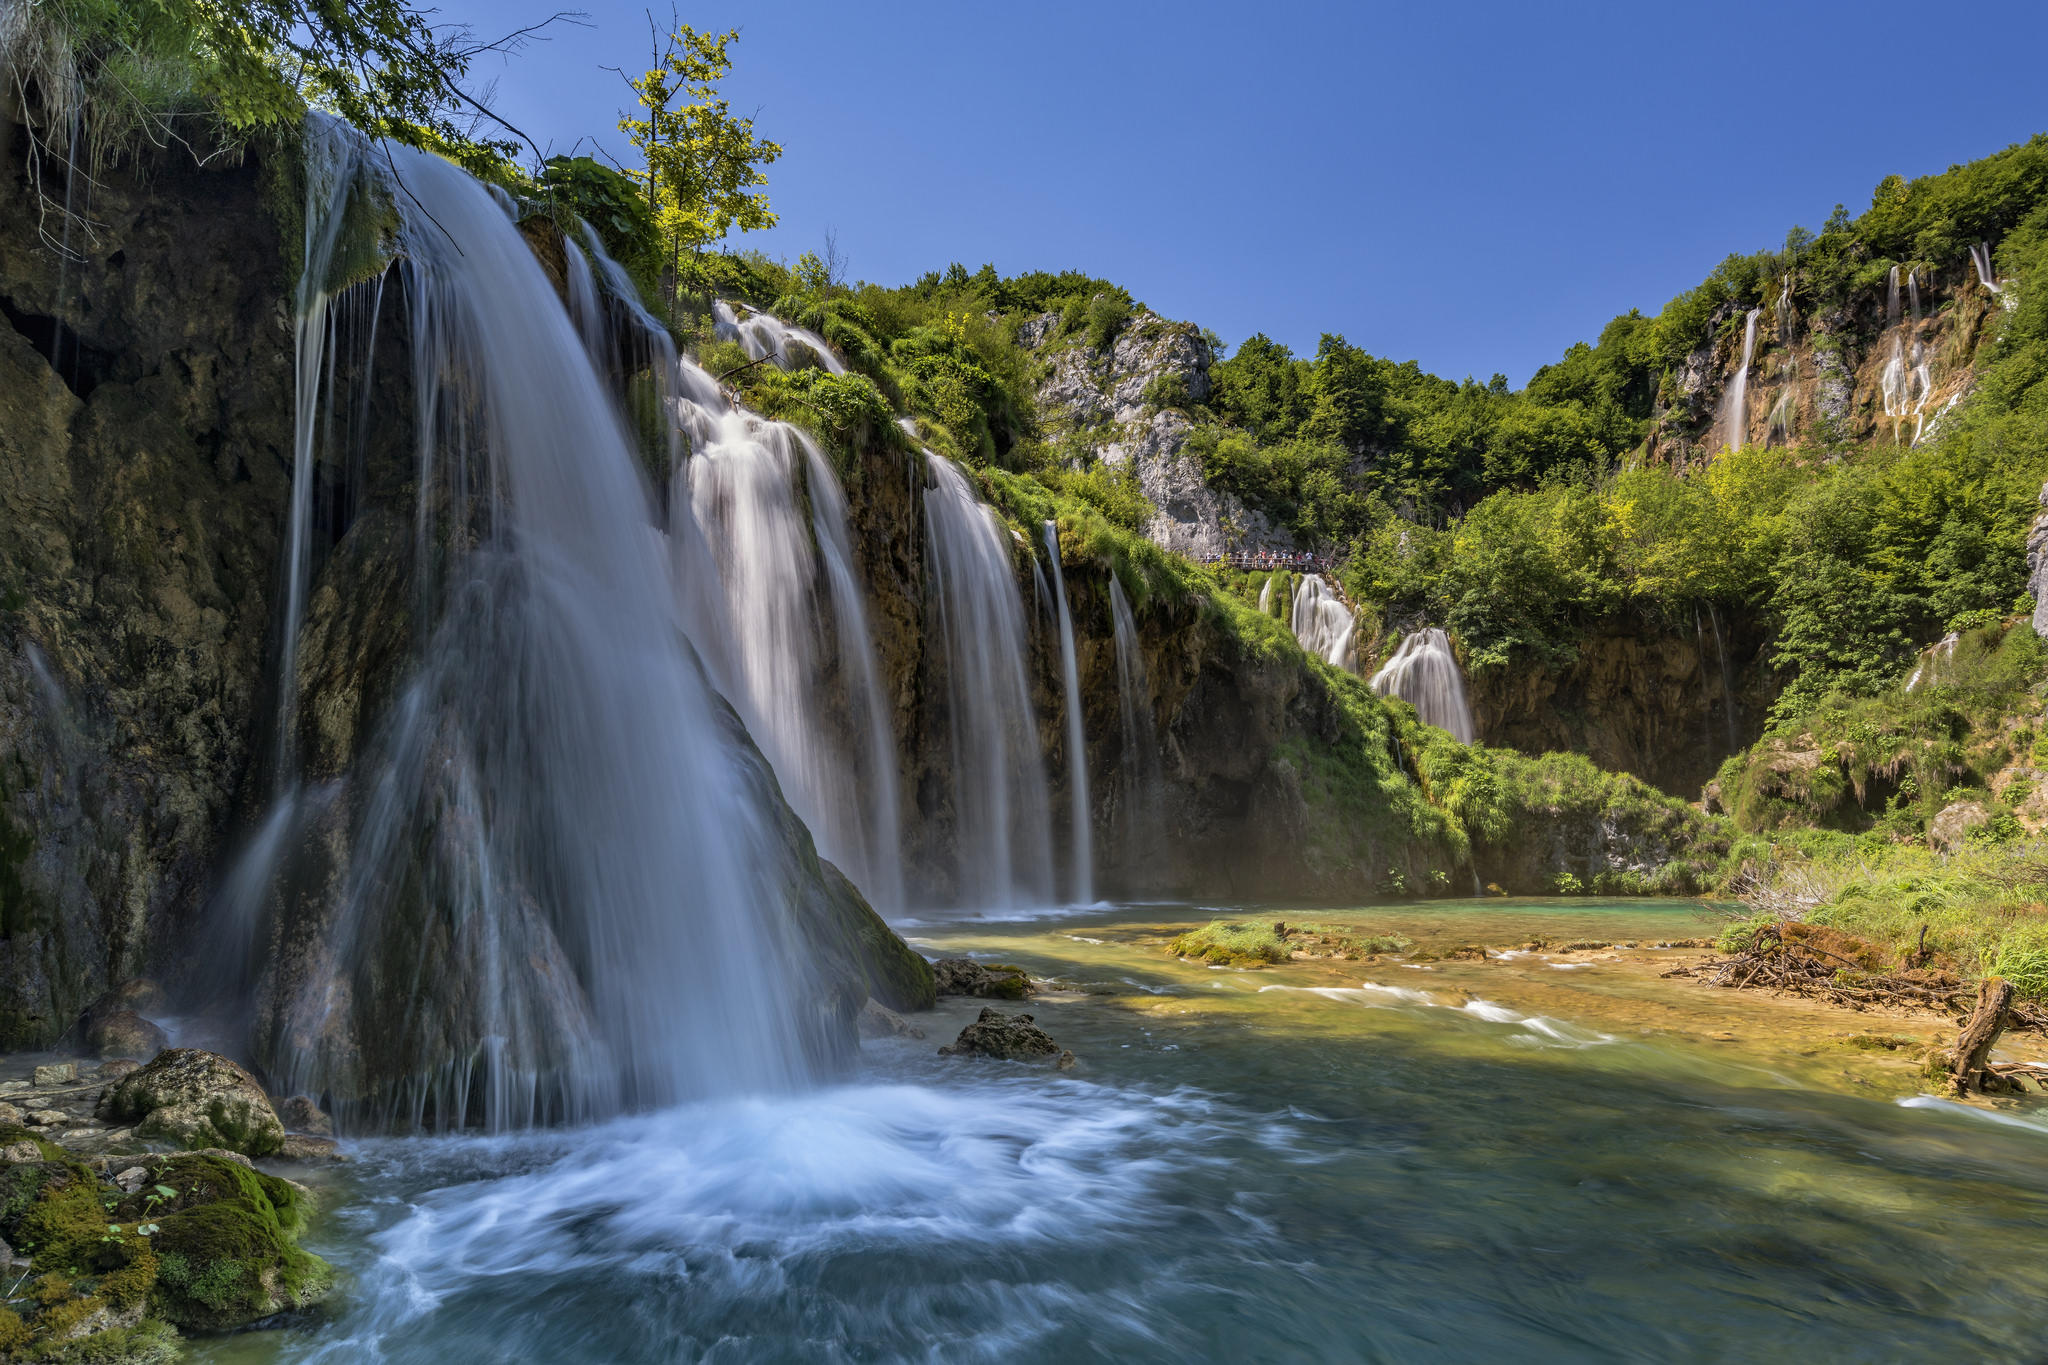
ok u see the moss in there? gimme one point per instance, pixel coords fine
(226, 1249)
(149, 1342)
(1234, 945)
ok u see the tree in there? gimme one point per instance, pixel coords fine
(703, 173)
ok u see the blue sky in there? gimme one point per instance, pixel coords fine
(1474, 186)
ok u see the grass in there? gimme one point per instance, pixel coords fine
(1229, 944)
(1985, 904)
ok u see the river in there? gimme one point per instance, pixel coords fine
(1561, 1157)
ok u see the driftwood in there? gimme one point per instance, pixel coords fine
(1788, 957)
(1967, 1064)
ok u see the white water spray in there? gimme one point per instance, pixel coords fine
(1321, 621)
(1077, 743)
(1425, 674)
(1734, 418)
(1143, 832)
(770, 338)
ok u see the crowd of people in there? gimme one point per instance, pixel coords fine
(1255, 561)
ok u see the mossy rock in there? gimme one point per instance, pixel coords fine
(200, 1099)
(227, 1250)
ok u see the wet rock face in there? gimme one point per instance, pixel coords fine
(145, 440)
(1006, 1037)
(124, 1033)
(199, 1099)
(2037, 565)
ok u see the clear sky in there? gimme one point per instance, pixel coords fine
(1471, 185)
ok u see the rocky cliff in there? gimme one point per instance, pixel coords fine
(145, 443)
(1123, 405)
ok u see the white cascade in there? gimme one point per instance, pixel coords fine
(1143, 833)
(765, 337)
(557, 838)
(1980, 257)
(1893, 381)
(1002, 826)
(1321, 621)
(1425, 674)
(1077, 743)
(1266, 596)
(1733, 425)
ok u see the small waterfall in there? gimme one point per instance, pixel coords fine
(1734, 417)
(1266, 596)
(1077, 744)
(1003, 839)
(1932, 659)
(1425, 674)
(557, 836)
(1896, 381)
(1922, 385)
(1980, 257)
(1144, 834)
(1727, 679)
(1321, 621)
(770, 338)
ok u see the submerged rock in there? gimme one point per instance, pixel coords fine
(200, 1099)
(1004, 1036)
(879, 1021)
(965, 976)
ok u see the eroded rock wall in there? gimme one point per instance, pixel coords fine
(145, 444)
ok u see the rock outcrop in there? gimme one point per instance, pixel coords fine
(1126, 406)
(145, 440)
(1005, 1037)
(2037, 565)
(199, 1099)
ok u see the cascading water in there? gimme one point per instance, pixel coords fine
(744, 485)
(1425, 674)
(1077, 743)
(559, 838)
(1980, 257)
(1143, 834)
(1905, 384)
(1734, 417)
(1321, 621)
(1002, 826)
(764, 337)
(1266, 596)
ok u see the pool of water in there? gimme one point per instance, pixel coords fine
(1326, 1161)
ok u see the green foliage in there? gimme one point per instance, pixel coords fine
(1234, 945)
(703, 163)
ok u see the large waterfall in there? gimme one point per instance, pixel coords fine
(1002, 828)
(1321, 621)
(1077, 743)
(1733, 423)
(1425, 674)
(746, 484)
(560, 882)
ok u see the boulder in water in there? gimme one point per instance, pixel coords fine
(200, 1099)
(124, 1033)
(879, 1021)
(965, 976)
(1008, 1037)
(301, 1115)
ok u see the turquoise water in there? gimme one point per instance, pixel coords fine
(1281, 1165)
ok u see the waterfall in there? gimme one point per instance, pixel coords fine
(1077, 744)
(746, 483)
(1003, 839)
(1893, 381)
(770, 338)
(1980, 257)
(1734, 418)
(1425, 674)
(1266, 596)
(1321, 621)
(1143, 831)
(558, 836)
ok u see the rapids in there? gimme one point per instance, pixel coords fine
(1317, 1162)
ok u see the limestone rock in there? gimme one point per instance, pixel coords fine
(301, 1115)
(200, 1099)
(57, 1073)
(125, 1034)
(1953, 825)
(879, 1021)
(965, 976)
(1007, 1037)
